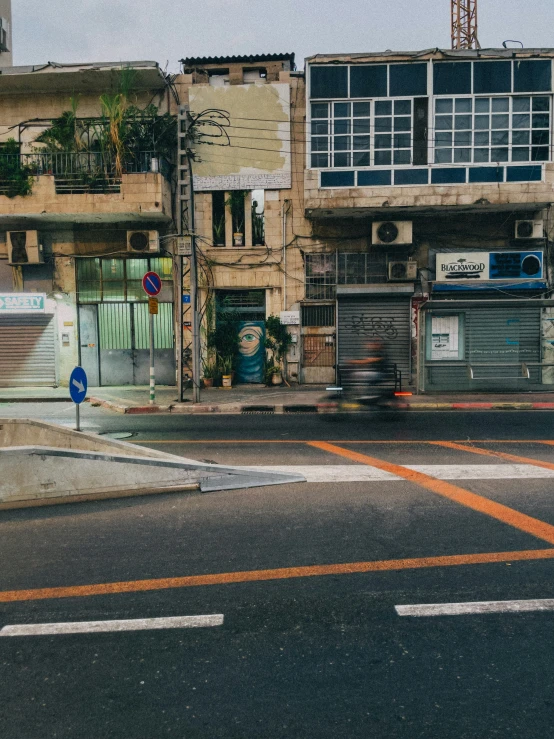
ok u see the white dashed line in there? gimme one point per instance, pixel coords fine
(92, 627)
(486, 606)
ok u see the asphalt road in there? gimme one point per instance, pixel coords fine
(311, 644)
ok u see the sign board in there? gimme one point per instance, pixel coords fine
(484, 265)
(78, 385)
(184, 246)
(186, 299)
(152, 283)
(290, 317)
(153, 306)
(22, 302)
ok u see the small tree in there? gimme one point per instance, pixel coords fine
(278, 339)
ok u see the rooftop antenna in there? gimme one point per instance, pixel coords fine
(464, 24)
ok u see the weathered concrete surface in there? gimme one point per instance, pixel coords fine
(43, 463)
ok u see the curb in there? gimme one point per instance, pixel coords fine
(236, 409)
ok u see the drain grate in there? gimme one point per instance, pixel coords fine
(251, 409)
(300, 408)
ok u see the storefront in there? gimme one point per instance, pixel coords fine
(375, 312)
(27, 340)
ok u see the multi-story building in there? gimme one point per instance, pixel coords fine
(248, 183)
(82, 217)
(428, 187)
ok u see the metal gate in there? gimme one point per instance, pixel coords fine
(115, 343)
(27, 351)
(318, 351)
(364, 319)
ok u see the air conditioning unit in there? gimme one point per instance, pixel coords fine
(529, 229)
(143, 242)
(391, 233)
(24, 248)
(4, 34)
(402, 271)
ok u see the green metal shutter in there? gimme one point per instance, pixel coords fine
(364, 319)
(27, 351)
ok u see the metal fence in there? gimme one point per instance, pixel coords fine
(77, 172)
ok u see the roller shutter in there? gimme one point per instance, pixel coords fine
(27, 351)
(364, 319)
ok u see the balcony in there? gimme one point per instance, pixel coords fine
(83, 187)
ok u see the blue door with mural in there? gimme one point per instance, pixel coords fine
(251, 351)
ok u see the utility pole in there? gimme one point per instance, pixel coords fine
(187, 236)
(464, 24)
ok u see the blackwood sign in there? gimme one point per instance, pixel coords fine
(465, 266)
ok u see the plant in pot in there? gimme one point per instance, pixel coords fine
(278, 340)
(235, 202)
(226, 367)
(210, 372)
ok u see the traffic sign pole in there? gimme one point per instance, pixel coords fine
(152, 284)
(77, 417)
(152, 369)
(78, 385)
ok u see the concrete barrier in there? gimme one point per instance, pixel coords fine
(43, 463)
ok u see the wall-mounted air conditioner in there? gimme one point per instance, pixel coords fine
(529, 230)
(400, 271)
(24, 247)
(143, 242)
(391, 233)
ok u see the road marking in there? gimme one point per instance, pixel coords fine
(96, 627)
(363, 473)
(488, 453)
(500, 512)
(226, 578)
(334, 441)
(486, 606)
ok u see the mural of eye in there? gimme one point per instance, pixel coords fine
(251, 351)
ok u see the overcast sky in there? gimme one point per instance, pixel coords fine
(167, 30)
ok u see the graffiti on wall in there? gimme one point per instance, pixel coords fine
(250, 367)
(374, 326)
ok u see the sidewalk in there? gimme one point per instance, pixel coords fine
(261, 399)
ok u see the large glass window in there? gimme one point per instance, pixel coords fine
(104, 280)
(492, 129)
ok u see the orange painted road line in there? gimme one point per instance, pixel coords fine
(332, 441)
(520, 521)
(488, 453)
(227, 578)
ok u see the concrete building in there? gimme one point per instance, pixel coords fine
(428, 189)
(248, 182)
(81, 220)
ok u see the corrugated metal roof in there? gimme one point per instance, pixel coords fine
(195, 61)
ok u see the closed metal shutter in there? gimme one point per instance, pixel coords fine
(27, 351)
(503, 337)
(365, 319)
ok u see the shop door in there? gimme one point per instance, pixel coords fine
(123, 338)
(27, 351)
(88, 342)
(364, 319)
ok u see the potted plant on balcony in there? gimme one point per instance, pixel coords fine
(235, 202)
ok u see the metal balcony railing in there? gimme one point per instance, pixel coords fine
(78, 172)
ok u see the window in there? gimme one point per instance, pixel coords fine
(491, 77)
(218, 77)
(104, 280)
(329, 82)
(254, 76)
(533, 75)
(341, 133)
(321, 276)
(218, 218)
(318, 315)
(368, 81)
(492, 129)
(258, 224)
(408, 79)
(325, 271)
(445, 337)
(452, 78)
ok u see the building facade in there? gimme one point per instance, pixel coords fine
(428, 187)
(81, 220)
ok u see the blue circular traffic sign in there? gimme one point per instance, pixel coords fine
(152, 283)
(78, 385)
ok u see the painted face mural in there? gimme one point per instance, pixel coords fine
(251, 351)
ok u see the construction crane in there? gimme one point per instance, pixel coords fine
(464, 24)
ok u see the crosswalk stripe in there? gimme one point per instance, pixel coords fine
(366, 473)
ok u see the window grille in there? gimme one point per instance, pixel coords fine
(318, 315)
